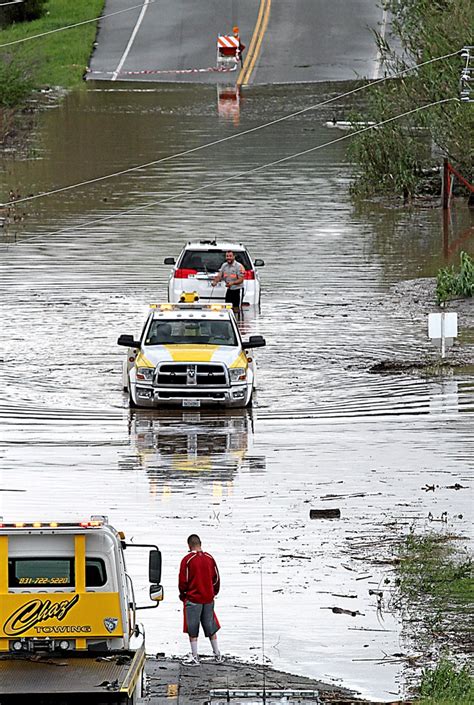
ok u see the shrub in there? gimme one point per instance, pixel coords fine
(23, 12)
(15, 82)
(33, 9)
(450, 283)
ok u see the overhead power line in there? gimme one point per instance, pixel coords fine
(212, 184)
(185, 153)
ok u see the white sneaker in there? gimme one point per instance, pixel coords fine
(191, 660)
(218, 658)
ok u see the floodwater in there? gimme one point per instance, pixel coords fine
(324, 432)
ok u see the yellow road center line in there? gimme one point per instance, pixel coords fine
(263, 29)
(253, 41)
(256, 42)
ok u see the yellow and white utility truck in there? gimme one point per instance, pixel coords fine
(68, 629)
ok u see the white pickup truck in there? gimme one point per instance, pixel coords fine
(66, 600)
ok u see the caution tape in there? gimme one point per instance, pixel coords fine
(210, 69)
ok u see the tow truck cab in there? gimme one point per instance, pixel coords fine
(65, 593)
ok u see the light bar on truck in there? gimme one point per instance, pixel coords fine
(191, 307)
(93, 523)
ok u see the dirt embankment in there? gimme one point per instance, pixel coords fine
(415, 298)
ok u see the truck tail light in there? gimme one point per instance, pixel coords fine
(249, 274)
(184, 273)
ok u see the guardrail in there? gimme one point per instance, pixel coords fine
(449, 174)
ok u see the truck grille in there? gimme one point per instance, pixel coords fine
(191, 375)
(185, 394)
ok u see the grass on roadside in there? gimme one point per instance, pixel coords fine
(431, 568)
(436, 589)
(446, 685)
(58, 59)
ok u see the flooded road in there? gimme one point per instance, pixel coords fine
(324, 431)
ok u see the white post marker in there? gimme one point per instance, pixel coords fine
(442, 329)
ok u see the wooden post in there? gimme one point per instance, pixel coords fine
(446, 184)
(446, 223)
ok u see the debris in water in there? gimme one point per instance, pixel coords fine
(341, 610)
(324, 513)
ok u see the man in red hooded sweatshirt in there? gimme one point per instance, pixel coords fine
(199, 583)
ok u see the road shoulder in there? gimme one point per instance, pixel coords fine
(169, 678)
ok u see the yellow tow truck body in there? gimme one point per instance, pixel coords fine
(66, 600)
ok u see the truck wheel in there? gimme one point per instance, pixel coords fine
(131, 403)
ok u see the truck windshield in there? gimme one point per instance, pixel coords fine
(210, 260)
(53, 572)
(188, 331)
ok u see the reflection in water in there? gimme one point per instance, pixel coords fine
(229, 98)
(184, 447)
(444, 397)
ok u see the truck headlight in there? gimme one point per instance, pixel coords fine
(145, 373)
(238, 374)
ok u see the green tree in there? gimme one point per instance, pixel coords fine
(423, 30)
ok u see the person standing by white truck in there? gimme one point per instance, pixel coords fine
(232, 273)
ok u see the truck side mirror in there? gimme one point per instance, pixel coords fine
(128, 341)
(156, 593)
(259, 263)
(169, 260)
(255, 341)
(154, 567)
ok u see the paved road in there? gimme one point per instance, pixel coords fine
(287, 41)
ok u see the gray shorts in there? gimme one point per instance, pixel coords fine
(197, 614)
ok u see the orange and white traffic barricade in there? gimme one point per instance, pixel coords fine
(228, 51)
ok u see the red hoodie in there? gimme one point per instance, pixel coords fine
(198, 578)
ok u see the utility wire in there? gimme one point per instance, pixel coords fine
(12, 2)
(71, 26)
(229, 137)
(256, 169)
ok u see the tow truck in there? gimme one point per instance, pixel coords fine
(68, 629)
(189, 355)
